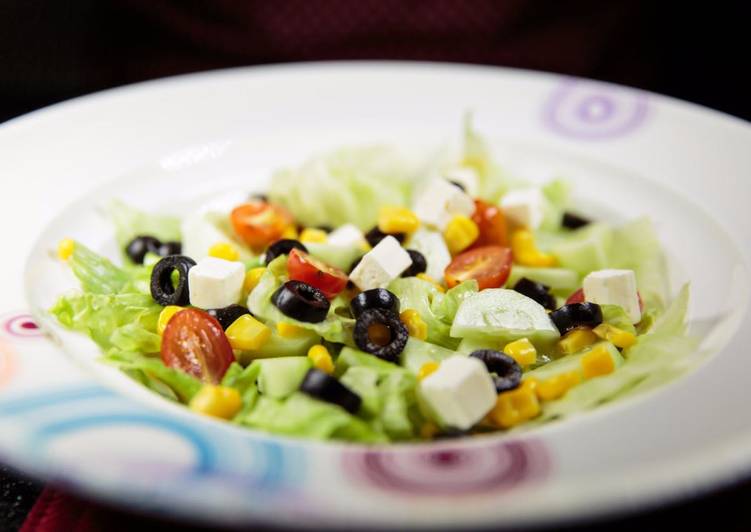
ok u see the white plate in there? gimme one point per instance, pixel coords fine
(162, 143)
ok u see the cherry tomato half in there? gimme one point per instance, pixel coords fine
(488, 265)
(195, 343)
(259, 223)
(492, 224)
(302, 267)
(578, 297)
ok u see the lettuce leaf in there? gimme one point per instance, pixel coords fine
(444, 306)
(417, 294)
(183, 385)
(617, 317)
(131, 222)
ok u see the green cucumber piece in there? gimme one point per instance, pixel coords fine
(416, 353)
(586, 250)
(277, 346)
(340, 257)
(281, 377)
(571, 363)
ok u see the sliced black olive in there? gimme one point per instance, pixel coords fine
(574, 221)
(508, 373)
(257, 196)
(326, 228)
(140, 246)
(537, 291)
(322, 386)
(373, 323)
(379, 298)
(283, 247)
(419, 264)
(301, 301)
(574, 315)
(228, 315)
(375, 235)
(170, 248)
(163, 290)
(457, 184)
(451, 433)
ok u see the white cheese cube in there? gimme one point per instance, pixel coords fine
(467, 177)
(433, 247)
(524, 207)
(459, 393)
(348, 235)
(441, 201)
(614, 287)
(381, 265)
(215, 283)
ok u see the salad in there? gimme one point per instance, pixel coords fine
(367, 299)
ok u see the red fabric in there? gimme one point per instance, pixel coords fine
(57, 512)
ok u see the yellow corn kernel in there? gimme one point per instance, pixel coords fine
(414, 323)
(397, 220)
(614, 335)
(251, 279)
(65, 249)
(427, 369)
(312, 235)
(290, 232)
(165, 316)
(522, 351)
(288, 330)
(224, 250)
(321, 358)
(247, 333)
(576, 340)
(432, 281)
(217, 401)
(460, 233)
(515, 406)
(597, 362)
(556, 387)
(526, 252)
(428, 430)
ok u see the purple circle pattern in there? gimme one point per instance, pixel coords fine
(450, 470)
(590, 110)
(21, 326)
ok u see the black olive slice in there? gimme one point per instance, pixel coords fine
(163, 290)
(508, 373)
(378, 320)
(170, 248)
(375, 235)
(457, 185)
(419, 264)
(301, 301)
(537, 291)
(573, 315)
(379, 298)
(574, 221)
(140, 246)
(283, 247)
(228, 315)
(322, 386)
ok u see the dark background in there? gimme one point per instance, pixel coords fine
(55, 50)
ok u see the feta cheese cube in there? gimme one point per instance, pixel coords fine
(459, 393)
(433, 247)
(381, 265)
(467, 177)
(524, 207)
(215, 283)
(614, 287)
(441, 201)
(348, 235)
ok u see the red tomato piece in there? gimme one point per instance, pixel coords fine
(492, 224)
(195, 343)
(490, 266)
(259, 223)
(302, 267)
(578, 297)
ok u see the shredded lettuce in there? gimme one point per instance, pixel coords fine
(183, 385)
(444, 306)
(617, 317)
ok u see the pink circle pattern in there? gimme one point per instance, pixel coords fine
(21, 326)
(450, 469)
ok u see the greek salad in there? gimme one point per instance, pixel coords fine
(363, 299)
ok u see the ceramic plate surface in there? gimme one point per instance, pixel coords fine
(163, 145)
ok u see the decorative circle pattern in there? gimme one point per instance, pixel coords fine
(21, 326)
(589, 110)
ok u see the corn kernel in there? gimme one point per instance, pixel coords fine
(576, 340)
(428, 430)
(65, 249)
(165, 316)
(321, 359)
(522, 351)
(526, 252)
(288, 330)
(614, 335)
(247, 333)
(290, 232)
(426, 369)
(428, 278)
(251, 279)
(224, 250)
(217, 401)
(414, 323)
(460, 233)
(312, 235)
(556, 387)
(515, 406)
(597, 362)
(397, 220)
